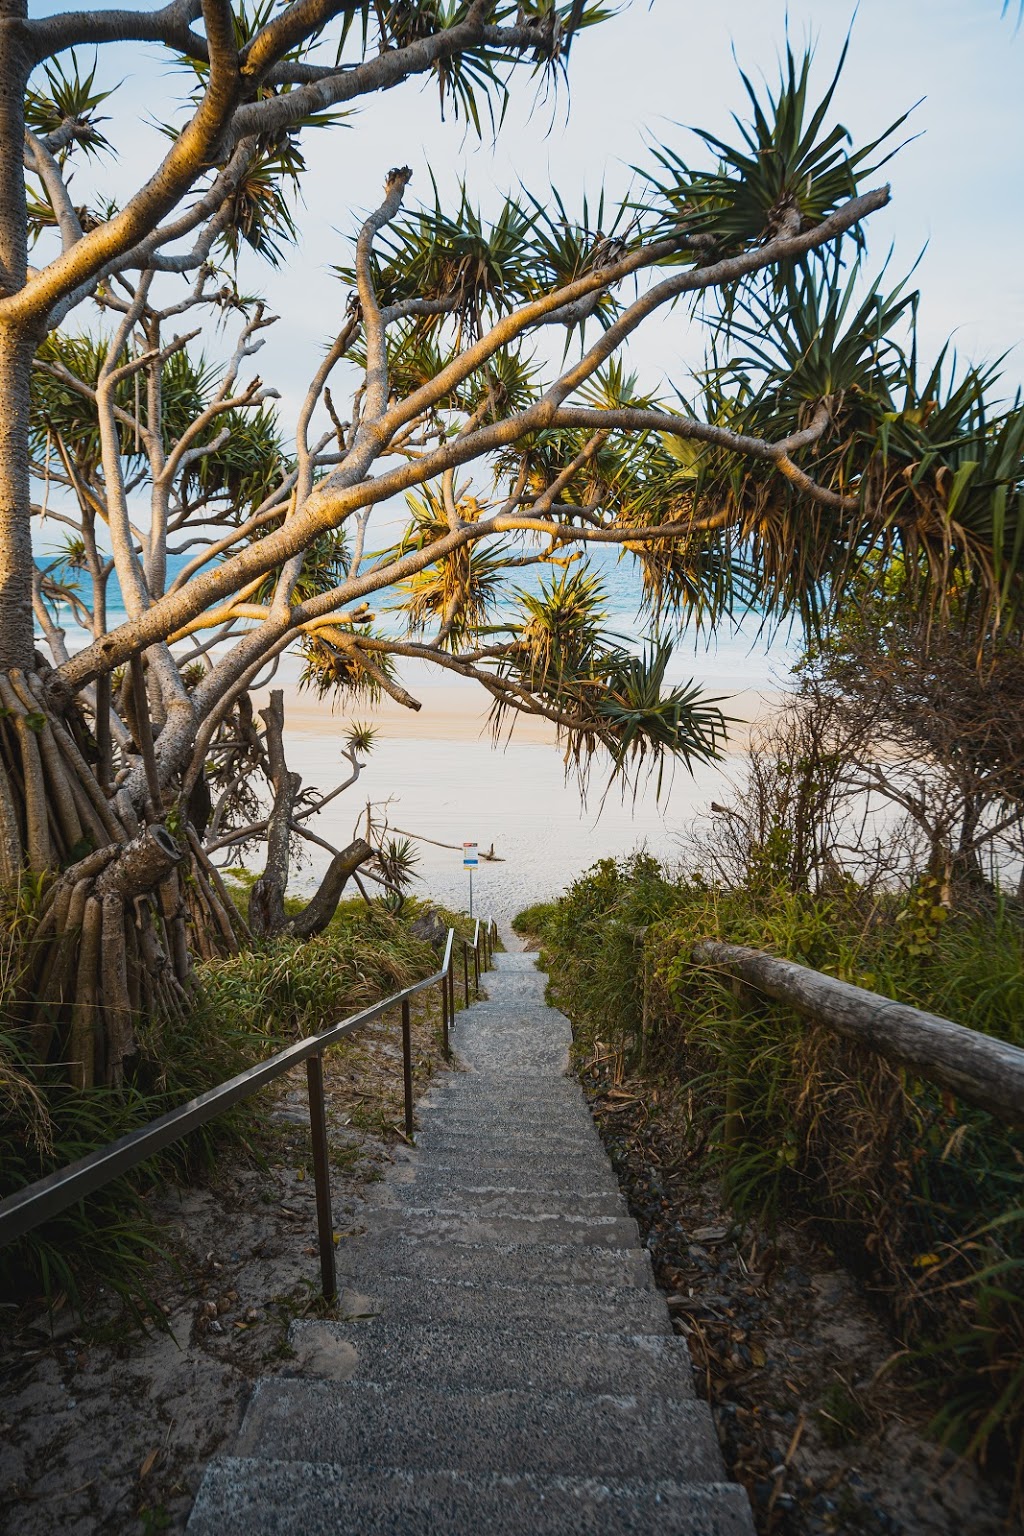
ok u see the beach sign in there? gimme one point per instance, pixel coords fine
(470, 856)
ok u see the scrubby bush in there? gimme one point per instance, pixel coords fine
(917, 1192)
(243, 1008)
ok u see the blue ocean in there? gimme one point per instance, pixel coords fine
(743, 653)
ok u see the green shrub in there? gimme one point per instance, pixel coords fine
(918, 1193)
(244, 1008)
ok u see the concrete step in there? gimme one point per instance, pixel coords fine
(497, 1086)
(583, 1174)
(527, 1058)
(540, 1307)
(535, 1163)
(431, 1192)
(576, 1434)
(245, 1497)
(537, 1096)
(440, 1136)
(553, 1113)
(497, 1263)
(505, 1128)
(459, 1108)
(516, 1077)
(411, 1223)
(506, 1008)
(459, 1356)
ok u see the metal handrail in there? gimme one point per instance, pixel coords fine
(29, 1207)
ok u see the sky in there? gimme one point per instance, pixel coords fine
(644, 77)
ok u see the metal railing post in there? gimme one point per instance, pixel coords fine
(407, 1064)
(476, 959)
(321, 1175)
(444, 1017)
(465, 969)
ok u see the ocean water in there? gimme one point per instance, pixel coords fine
(516, 795)
(742, 654)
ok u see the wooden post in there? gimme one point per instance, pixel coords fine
(407, 1064)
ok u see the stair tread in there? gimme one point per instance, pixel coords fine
(462, 1354)
(541, 1306)
(247, 1497)
(628, 1434)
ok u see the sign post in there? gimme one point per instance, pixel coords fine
(470, 860)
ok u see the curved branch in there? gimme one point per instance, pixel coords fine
(348, 489)
(170, 26)
(187, 159)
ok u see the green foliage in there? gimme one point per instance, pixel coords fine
(245, 1008)
(65, 112)
(247, 465)
(475, 80)
(456, 594)
(787, 174)
(477, 269)
(918, 1193)
(605, 696)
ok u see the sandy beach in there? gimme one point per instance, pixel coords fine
(439, 775)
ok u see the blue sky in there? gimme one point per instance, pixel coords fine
(956, 188)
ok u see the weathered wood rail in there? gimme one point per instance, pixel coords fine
(980, 1069)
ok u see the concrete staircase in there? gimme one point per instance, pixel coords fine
(509, 1366)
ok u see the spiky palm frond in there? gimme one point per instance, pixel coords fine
(943, 492)
(458, 591)
(567, 247)
(482, 266)
(361, 738)
(559, 626)
(69, 102)
(475, 79)
(606, 698)
(541, 457)
(506, 382)
(324, 566)
(613, 388)
(241, 471)
(650, 723)
(396, 860)
(787, 173)
(245, 468)
(262, 208)
(331, 666)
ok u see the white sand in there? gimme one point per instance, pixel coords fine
(446, 780)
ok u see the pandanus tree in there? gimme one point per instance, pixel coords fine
(484, 361)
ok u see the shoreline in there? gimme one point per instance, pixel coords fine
(458, 711)
(438, 775)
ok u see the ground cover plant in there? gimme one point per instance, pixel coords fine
(245, 1007)
(920, 1195)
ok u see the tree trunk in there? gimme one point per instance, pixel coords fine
(317, 914)
(16, 349)
(266, 899)
(267, 914)
(111, 938)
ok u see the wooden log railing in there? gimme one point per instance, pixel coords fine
(979, 1069)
